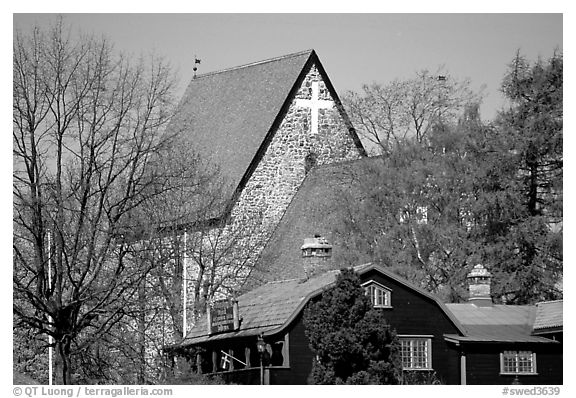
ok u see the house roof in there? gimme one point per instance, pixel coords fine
(548, 315)
(496, 323)
(230, 115)
(265, 308)
(270, 308)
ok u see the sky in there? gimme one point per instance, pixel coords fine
(355, 49)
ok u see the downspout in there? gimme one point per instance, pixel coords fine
(462, 367)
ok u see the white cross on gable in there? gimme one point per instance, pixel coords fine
(314, 104)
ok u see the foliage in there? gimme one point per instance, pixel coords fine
(351, 340)
(471, 193)
(413, 211)
(193, 378)
(532, 129)
(418, 377)
(30, 354)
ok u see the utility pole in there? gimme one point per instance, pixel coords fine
(50, 338)
(184, 286)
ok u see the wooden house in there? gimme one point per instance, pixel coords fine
(469, 343)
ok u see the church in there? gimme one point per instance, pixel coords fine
(280, 137)
(264, 126)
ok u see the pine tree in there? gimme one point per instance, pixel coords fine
(351, 340)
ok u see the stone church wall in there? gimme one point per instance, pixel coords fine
(282, 169)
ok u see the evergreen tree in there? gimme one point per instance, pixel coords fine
(531, 131)
(351, 340)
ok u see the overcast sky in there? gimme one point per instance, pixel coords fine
(354, 48)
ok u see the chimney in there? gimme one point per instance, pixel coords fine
(316, 253)
(479, 286)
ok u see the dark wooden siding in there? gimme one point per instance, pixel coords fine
(412, 313)
(483, 364)
(300, 357)
(415, 314)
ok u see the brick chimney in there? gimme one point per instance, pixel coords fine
(316, 253)
(479, 286)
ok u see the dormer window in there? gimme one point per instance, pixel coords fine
(380, 296)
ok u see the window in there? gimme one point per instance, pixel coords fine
(416, 353)
(380, 297)
(310, 161)
(518, 362)
(418, 214)
(422, 214)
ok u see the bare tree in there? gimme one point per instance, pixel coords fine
(194, 260)
(389, 114)
(88, 141)
(179, 240)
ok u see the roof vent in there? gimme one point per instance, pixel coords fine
(316, 252)
(317, 246)
(479, 286)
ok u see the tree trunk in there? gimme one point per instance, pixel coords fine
(62, 368)
(141, 376)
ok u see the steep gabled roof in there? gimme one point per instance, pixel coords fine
(270, 308)
(230, 116)
(316, 208)
(227, 114)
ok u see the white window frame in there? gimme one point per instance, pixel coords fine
(387, 294)
(515, 356)
(413, 340)
(422, 215)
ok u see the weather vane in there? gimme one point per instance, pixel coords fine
(195, 68)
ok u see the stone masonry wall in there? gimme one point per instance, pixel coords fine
(282, 169)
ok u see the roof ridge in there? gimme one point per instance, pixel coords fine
(549, 302)
(280, 281)
(279, 58)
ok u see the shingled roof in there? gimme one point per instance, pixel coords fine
(496, 323)
(549, 315)
(265, 308)
(270, 308)
(315, 209)
(230, 115)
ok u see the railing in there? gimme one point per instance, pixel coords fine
(244, 376)
(251, 375)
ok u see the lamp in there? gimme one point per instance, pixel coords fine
(261, 346)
